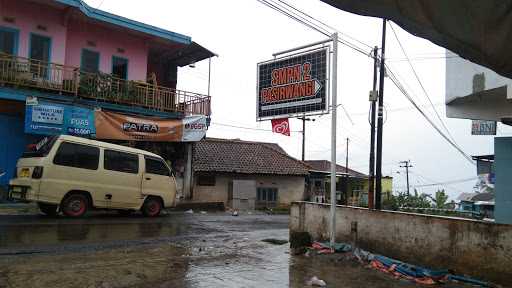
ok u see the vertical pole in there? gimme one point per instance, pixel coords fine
(303, 138)
(187, 178)
(380, 121)
(407, 173)
(346, 171)
(371, 178)
(333, 135)
(209, 72)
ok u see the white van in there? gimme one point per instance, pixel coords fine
(71, 174)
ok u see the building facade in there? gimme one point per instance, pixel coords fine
(61, 68)
(246, 175)
(351, 186)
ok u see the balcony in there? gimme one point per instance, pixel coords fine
(34, 74)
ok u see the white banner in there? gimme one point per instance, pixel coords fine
(194, 128)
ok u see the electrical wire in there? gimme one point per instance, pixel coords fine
(400, 87)
(421, 84)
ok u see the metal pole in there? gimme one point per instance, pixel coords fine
(371, 178)
(346, 170)
(407, 166)
(380, 121)
(333, 136)
(209, 72)
(303, 138)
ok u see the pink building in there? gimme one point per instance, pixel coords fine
(65, 56)
(70, 33)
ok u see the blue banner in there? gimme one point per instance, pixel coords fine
(54, 119)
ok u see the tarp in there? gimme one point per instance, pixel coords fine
(110, 125)
(480, 31)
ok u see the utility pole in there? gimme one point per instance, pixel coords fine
(346, 170)
(380, 120)
(334, 107)
(304, 119)
(407, 165)
(373, 100)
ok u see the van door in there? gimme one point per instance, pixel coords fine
(121, 179)
(158, 180)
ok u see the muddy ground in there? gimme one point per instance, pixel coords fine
(175, 250)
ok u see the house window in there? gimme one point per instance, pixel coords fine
(266, 194)
(78, 156)
(120, 67)
(40, 47)
(205, 180)
(8, 41)
(90, 61)
(121, 162)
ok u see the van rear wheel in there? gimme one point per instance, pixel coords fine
(48, 209)
(152, 207)
(75, 205)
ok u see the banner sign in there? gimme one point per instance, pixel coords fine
(483, 127)
(110, 125)
(293, 85)
(281, 126)
(54, 119)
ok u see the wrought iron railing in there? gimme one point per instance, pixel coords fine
(66, 80)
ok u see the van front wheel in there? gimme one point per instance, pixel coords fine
(75, 205)
(152, 207)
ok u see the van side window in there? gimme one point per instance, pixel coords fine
(78, 156)
(156, 166)
(120, 161)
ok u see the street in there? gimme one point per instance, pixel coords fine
(175, 250)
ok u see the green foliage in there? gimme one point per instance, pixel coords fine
(440, 199)
(402, 200)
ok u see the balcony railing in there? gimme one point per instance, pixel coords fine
(66, 80)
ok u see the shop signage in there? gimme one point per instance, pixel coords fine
(110, 125)
(483, 127)
(293, 85)
(53, 119)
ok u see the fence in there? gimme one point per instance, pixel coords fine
(67, 80)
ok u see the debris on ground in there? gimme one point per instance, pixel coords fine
(396, 268)
(275, 241)
(190, 211)
(325, 247)
(314, 281)
(235, 213)
(203, 212)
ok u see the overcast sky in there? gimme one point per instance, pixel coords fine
(245, 32)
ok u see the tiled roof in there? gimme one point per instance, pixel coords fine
(245, 157)
(325, 166)
(483, 197)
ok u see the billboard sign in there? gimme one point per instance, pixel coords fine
(54, 119)
(483, 127)
(110, 125)
(293, 85)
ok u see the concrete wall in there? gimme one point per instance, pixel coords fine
(471, 247)
(290, 188)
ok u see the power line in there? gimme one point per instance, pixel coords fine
(400, 87)
(421, 84)
(246, 128)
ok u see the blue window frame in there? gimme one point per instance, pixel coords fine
(9, 38)
(120, 67)
(40, 50)
(90, 61)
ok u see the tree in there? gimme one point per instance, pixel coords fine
(440, 199)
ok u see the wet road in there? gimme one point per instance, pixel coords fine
(175, 250)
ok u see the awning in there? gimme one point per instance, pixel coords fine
(480, 31)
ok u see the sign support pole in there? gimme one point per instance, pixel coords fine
(334, 107)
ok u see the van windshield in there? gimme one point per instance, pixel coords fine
(40, 148)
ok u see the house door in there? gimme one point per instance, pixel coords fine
(40, 49)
